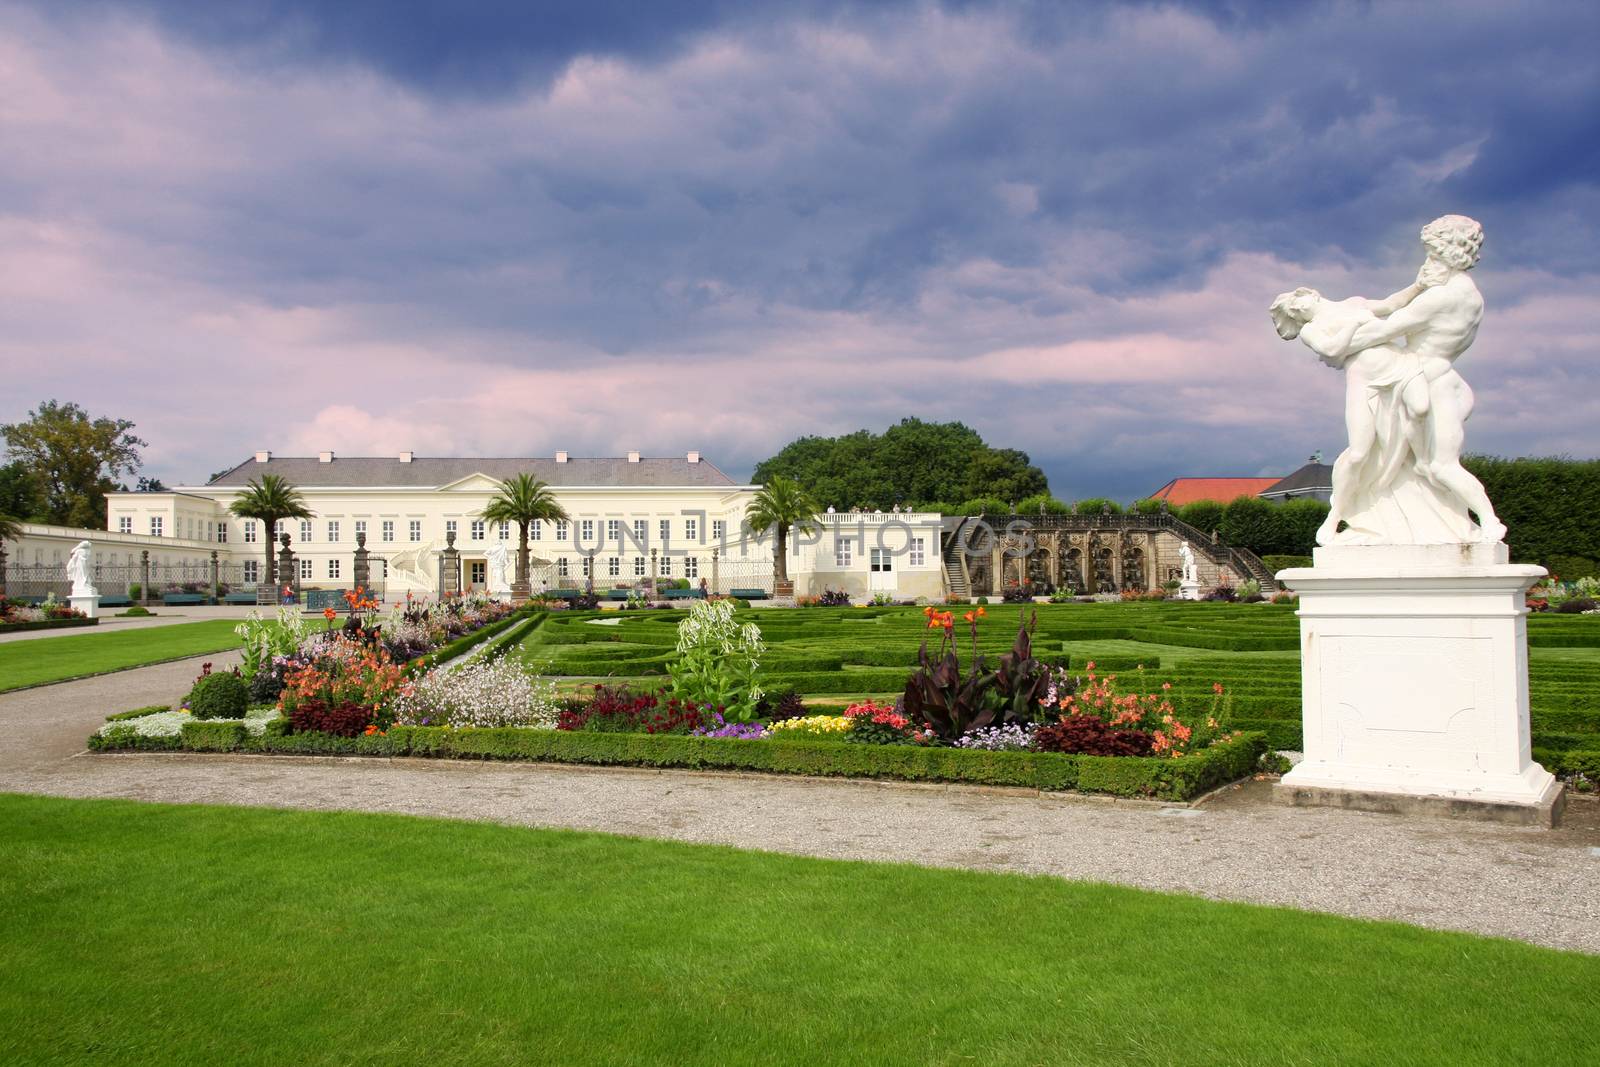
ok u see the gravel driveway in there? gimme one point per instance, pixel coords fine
(1536, 885)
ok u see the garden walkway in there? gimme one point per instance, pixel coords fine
(1514, 882)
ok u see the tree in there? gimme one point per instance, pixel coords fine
(19, 492)
(522, 499)
(9, 530)
(73, 460)
(1253, 523)
(150, 485)
(781, 503)
(270, 500)
(1301, 518)
(1096, 504)
(1548, 504)
(1042, 504)
(911, 463)
(1203, 515)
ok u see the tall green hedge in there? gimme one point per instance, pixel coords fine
(1549, 506)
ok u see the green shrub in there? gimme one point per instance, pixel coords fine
(137, 713)
(219, 696)
(127, 738)
(1279, 562)
(135, 612)
(213, 736)
(134, 589)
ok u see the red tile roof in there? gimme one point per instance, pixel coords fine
(1181, 491)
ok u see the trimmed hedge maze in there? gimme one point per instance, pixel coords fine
(1252, 650)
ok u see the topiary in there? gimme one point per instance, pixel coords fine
(1576, 605)
(219, 696)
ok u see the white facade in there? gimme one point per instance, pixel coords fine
(630, 519)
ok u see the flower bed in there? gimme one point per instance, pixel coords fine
(1152, 777)
(49, 615)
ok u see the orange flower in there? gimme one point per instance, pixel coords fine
(981, 611)
(329, 613)
(928, 611)
(970, 616)
(1216, 687)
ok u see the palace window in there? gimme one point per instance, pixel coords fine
(587, 530)
(333, 568)
(125, 524)
(305, 531)
(665, 529)
(588, 566)
(449, 526)
(666, 566)
(536, 530)
(691, 529)
(638, 566)
(841, 552)
(333, 532)
(614, 531)
(562, 569)
(505, 531)
(155, 526)
(252, 570)
(561, 530)
(361, 527)
(222, 533)
(691, 567)
(249, 531)
(719, 530)
(638, 530)
(477, 529)
(613, 566)
(388, 529)
(305, 570)
(415, 526)
(916, 556)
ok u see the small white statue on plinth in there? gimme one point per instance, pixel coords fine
(1189, 583)
(499, 565)
(1413, 622)
(80, 565)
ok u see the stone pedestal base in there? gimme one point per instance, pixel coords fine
(1189, 591)
(89, 605)
(1414, 665)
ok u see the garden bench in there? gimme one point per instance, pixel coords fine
(178, 599)
(238, 598)
(681, 594)
(119, 600)
(563, 594)
(750, 594)
(617, 594)
(320, 599)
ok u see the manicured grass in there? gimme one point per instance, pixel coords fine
(160, 934)
(833, 655)
(54, 659)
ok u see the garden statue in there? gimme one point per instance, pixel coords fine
(1400, 481)
(1413, 630)
(499, 557)
(80, 564)
(1189, 583)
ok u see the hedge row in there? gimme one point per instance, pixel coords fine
(1128, 776)
(46, 624)
(465, 643)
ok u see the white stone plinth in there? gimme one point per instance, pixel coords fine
(1414, 663)
(89, 605)
(1189, 591)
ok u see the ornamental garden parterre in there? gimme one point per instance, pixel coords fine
(1144, 698)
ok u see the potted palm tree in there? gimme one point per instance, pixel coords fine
(271, 499)
(522, 499)
(784, 504)
(9, 531)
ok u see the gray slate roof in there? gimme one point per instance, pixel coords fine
(1311, 476)
(430, 471)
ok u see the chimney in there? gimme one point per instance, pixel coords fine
(262, 457)
(694, 457)
(561, 457)
(324, 457)
(405, 457)
(633, 457)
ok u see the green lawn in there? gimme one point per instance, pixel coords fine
(838, 654)
(54, 659)
(145, 934)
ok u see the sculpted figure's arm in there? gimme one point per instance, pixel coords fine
(1403, 321)
(1395, 301)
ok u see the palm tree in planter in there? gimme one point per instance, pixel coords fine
(271, 499)
(522, 500)
(784, 504)
(9, 531)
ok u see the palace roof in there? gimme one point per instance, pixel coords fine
(425, 472)
(1182, 491)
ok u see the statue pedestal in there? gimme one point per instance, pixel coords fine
(1414, 665)
(89, 605)
(1189, 591)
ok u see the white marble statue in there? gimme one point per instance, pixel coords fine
(1400, 481)
(80, 566)
(1191, 572)
(499, 557)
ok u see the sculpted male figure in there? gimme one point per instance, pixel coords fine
(1406, 407)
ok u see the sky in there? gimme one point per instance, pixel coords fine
(510, 228)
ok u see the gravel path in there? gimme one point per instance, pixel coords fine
(1538, 886)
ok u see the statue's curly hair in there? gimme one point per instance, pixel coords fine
(1455, 240)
